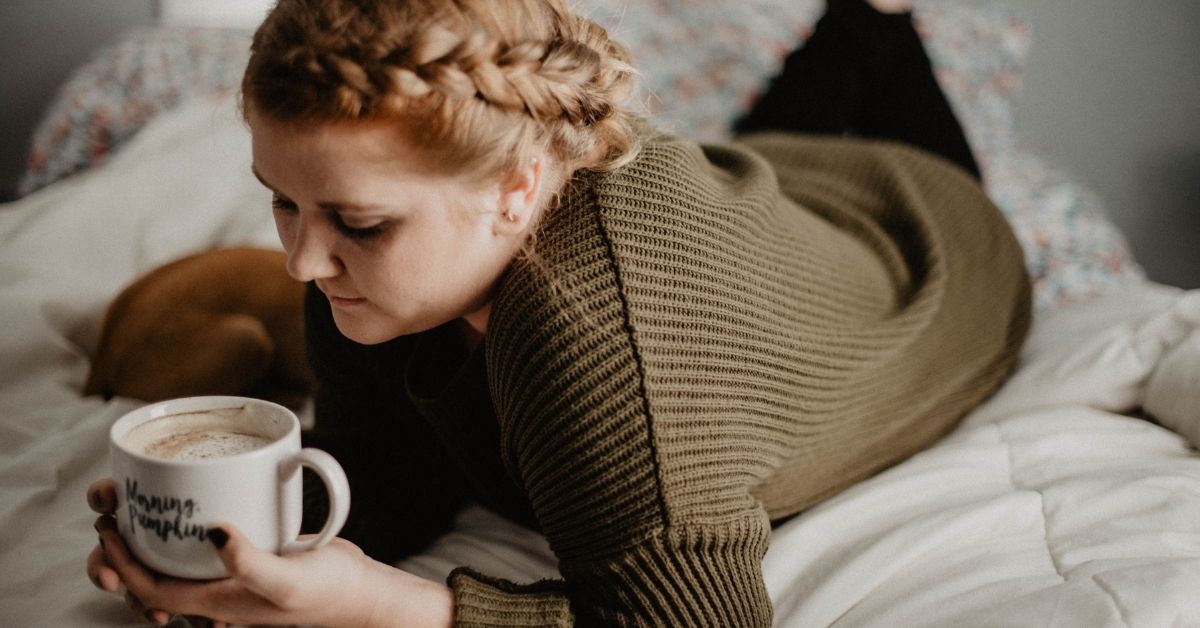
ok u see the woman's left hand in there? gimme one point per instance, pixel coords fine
(334, 585)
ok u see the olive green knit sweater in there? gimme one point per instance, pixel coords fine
(710, 338)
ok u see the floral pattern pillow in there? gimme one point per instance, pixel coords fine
(104, 102)
(703, 64)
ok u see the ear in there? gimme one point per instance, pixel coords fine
(520, 194)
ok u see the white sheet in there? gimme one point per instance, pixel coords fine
(1047, 507)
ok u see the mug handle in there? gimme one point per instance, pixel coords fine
(336, 486)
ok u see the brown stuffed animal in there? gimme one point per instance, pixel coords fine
(221, 322)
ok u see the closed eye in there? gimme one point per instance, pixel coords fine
(358, 233)
(282, 204)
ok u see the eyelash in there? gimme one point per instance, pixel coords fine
(279, 203)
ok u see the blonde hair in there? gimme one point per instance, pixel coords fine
(478, 85)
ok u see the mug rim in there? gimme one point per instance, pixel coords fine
(199, 403)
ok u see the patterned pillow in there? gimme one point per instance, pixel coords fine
(1073, 251)
(706, 62)
(703, 63)
(105, 101)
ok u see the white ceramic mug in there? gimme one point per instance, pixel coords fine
(169, 496)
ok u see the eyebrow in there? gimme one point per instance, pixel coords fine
(333, 206)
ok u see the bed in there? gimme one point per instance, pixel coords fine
(1071, 498)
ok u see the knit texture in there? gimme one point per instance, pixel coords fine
(712, 338)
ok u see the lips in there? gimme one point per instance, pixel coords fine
(342, 300)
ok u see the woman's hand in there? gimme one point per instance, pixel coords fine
(334, 585)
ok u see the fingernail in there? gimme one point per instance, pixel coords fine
(218, 537)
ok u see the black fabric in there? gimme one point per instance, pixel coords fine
(862, 73)
(412, 423)
(404, 487)
(451, 393)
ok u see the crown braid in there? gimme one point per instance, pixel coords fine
(481, 62)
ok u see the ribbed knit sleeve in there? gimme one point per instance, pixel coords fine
(578, 434)
(712, 338)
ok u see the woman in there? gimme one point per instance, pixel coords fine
(646, 349)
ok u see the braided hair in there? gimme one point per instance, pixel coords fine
(477, 84)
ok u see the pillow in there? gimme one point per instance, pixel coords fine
(108, 99)
(704, 62)
(1173, 391)
(1072, 250)
(1124, 352)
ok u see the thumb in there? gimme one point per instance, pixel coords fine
(258, 570)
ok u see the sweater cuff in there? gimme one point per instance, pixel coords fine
(480, 600)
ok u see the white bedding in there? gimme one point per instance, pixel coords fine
(1052, 505)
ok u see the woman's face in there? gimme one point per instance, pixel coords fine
(396, 250)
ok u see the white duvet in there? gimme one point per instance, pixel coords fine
(1053, 504)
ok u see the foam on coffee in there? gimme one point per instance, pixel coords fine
(203, 445)
(202, 435)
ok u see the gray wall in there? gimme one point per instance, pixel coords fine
(1112, 94)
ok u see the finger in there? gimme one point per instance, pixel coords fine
(153, 616)
(102, 496)
(124, 568)
(101, 573)
(134, 604)
(135, 576)
(260, 571)
(94, 559)
(106, 577)
(156, 617)
(158, 592)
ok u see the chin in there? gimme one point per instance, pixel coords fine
(373, 330)
(366, 332)
(366, 337)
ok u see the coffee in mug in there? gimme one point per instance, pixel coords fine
(185, 465)
(214, 433)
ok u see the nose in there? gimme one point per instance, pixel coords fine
(311, 255)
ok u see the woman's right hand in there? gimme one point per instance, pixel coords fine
(102, 498)
(335, 584)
